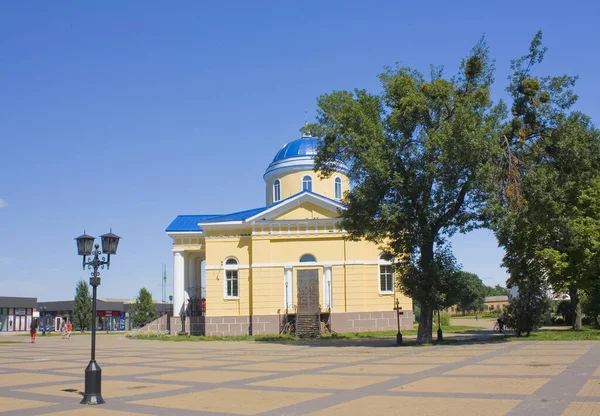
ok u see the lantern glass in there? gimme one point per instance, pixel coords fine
(110, 242)
(85, 243)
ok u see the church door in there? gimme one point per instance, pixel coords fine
(308, 291)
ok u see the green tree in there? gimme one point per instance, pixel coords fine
(472, 295)
(549, 224)
(419, 156)
(495, 291)
(591, 304)
(144, 309)
(525, 313)
(82, 307)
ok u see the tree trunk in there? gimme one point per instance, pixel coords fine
(576, 307)
(424, 335)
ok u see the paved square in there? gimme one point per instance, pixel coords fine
(476, 385)
(208, 376)
(582, 409)
(508, 370)
(591, 389)
(419, 406)
(247, 402)
(10, 404)
(362, 377)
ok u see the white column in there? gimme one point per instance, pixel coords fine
(191, 281)
(327, 286)
(288, 288)
(178, 281)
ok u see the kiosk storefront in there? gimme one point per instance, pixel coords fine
(16, 313)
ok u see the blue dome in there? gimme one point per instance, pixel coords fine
(297, 155)
(306, 146)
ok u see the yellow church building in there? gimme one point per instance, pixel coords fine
(283, 267)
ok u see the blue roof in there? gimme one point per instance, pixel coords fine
(306, 146)
(188, 223)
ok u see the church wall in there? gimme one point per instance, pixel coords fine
(306, 211)
(357, 291)
(217, 250)
(268, 293)
(291, 184)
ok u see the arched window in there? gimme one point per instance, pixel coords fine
(276, 190)
(231, 278)
(338, 188)
(386, 274)
(307, 183)
(308, 258)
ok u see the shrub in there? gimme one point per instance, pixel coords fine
(136, 333)
(526, 312)
(445, 318)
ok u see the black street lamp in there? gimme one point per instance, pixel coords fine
(110, 241)
(43, 319)
(399, 334)
(439, 331)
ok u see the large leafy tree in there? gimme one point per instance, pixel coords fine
(549, 222)
(495, 291)
(82, 307)
(472, 295)
(419, 157)
(144, 309)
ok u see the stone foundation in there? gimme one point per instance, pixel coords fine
(227, 325)
(269, 324)
(159, 324)
(370, 321)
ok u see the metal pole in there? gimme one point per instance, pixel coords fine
(439, 331)
(93, 372)
(399, 334)
(94, 294)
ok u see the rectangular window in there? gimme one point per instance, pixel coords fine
(231, 277)
(386, 278)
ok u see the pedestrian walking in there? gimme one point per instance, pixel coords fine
(69, 329)
(63, 330)
(33, 330)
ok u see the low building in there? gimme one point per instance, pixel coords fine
(112, 314)
(490, 304)
(16, 313)
(495, 303)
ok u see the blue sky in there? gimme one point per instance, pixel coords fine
(126, 114)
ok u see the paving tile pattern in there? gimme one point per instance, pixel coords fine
(319, 378)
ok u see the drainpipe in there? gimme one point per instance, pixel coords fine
(345, 297)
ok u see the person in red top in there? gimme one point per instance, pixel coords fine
(33, 329)
(69, 329)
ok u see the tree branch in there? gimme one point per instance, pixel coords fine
(454, 208)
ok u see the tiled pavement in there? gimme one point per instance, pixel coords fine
(352, 378)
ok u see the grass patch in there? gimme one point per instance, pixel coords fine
(11, 342)
(279, 338)
(391, 334)
(585, 334)
(78, 333)
(484, 316)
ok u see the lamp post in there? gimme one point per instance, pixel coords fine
(398, 313)
(43, 320)
(110, 241)
(439, 331)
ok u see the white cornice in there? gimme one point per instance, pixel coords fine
(284, 206)
(298, 264)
